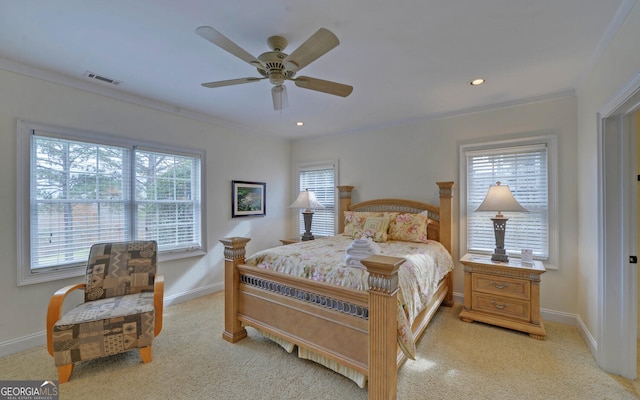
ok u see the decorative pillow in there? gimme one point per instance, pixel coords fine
(354, 223)
(376, 228)
(409, 228)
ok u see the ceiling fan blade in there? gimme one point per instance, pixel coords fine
(231, 82)
(279, 96)
(317, 45)
(338, 89)
(225, 43)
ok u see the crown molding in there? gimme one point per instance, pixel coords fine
(118, 94)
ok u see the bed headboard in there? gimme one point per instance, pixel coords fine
(441, 227)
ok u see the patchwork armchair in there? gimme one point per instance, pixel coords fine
(122, 307)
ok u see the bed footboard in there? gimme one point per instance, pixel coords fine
(373, 342)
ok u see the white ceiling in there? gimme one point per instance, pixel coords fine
(406, 59)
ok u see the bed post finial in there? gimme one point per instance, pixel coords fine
(344, 193)
(234, 252)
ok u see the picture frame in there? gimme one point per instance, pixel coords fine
(248, 199)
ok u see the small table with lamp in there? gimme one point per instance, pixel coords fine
(497, 290)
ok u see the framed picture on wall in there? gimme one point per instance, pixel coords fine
(248, 199)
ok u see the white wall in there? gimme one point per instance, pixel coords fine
(230, 155)
(619, 64)
(406, 161)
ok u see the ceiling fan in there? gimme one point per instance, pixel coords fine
(279, 67)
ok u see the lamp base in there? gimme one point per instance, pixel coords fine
(499, 228)
(307, 215)
(499, 255)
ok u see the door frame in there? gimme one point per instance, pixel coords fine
(617, 233)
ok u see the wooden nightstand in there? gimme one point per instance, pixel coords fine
(505, 294)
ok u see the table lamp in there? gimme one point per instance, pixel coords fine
(307, 200)
(499, 198)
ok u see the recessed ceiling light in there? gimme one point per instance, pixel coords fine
(299, 123)
(477, 82)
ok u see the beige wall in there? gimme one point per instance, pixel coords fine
(230, 155)
(406, 161)
(619, 64)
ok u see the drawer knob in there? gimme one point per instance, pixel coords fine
(499, 285)
(499, 306)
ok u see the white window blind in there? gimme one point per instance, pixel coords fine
(525, 170)
(320, 179)
(167, 199)
(79, 196)
(83, 191)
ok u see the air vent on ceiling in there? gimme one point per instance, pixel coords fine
(101, 78)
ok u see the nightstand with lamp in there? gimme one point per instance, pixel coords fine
(497, 290)
(307, 201)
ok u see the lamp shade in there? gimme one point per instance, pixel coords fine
(306, 200)
(499, 198)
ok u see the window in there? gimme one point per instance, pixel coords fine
(320, 178)
(527, 166)
(84, 188)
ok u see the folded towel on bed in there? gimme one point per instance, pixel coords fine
(358, 250)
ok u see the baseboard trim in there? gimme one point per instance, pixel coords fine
(40, 338)
(192, 294)
(559, 316)
(588, 338)
(23, 343)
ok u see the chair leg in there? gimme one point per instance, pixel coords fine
(64, 373)
(145, 354)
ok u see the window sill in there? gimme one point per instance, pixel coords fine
(32, 278)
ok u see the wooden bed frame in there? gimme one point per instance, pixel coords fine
(354, 328)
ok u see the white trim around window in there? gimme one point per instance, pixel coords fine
(181, 210)
(510, 146)
(325, 220)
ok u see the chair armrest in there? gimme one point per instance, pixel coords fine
(158, 303)
(54, 311)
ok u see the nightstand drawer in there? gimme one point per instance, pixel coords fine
(503, 306)
(502, 286)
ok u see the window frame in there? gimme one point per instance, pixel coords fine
(550, 141)
(24, 132)
(311, 166)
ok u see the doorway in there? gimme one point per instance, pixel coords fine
(618, 236)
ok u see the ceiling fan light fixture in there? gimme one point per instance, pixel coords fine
(279, 97)
(279, 67)
(276, 78)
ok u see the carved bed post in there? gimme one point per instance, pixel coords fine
(234, 252)
(383, 325)
(344, 193)
(446, 229)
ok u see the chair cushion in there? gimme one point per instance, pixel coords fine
(104, 327)
(118, 269)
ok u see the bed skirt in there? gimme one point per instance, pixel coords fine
(357, 377)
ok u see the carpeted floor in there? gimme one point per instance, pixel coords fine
(456, 360)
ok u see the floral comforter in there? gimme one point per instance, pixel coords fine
(324, 260)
